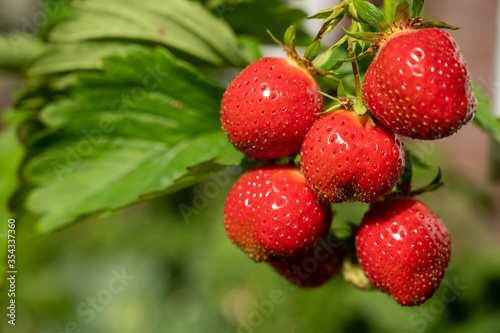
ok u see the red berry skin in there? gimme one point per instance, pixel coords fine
(345, 158)
(311, 269)
(268, 108)
(404, 249)
(418, 85)
(271, 212)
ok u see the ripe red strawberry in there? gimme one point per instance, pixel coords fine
(314, 268)
(345, 158)
(404, 249)
(268, 108)
(418, 85)
(271, 212)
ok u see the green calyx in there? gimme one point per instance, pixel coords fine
(369, 25)
(310, 53)
(398, 15)
(404, 187)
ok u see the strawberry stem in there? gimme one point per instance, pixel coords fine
(357, 80)
(329, 96)
(359, 108)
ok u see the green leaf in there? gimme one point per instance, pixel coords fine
(251, 46)
(438, 25)
(227, 4)
(341, 90)
(417, 161)
(18, 50)
(183, 26)
(389, 9)
(351, 9)
(257, 16)
(360, 56)
(11, 153)
(365, 36)
(338, 13)
(371, 15)
(312, 50)
(69, 57)
(290, 37)
(323, 14)
(411, 160)
(434, 185)
(402, 15)
(148, 125)
(329, 24)
(326, 60)
(416, 8)
(331, 16)
(193, 16)
(55, 11)
(484, 115)
(339, 42)
(404, 183)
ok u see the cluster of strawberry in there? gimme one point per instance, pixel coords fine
(417, 86)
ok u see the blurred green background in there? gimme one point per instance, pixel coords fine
(151, 268)
(185, 276)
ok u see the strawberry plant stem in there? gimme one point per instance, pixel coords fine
(358, 108)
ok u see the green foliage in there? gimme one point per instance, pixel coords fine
(11, 154)
(69, 57)
(115, 124)
(369, 14)
(437, 25)
(290, 37)
(332, 17)
(188, 277)
(484, 116)
(18, 51)
(389, 9)
(183, 26)
(416, 8)
(133, 132)
(367, 36)
(111, 117)
(312, 51)
(402, 13)
(256, 16)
